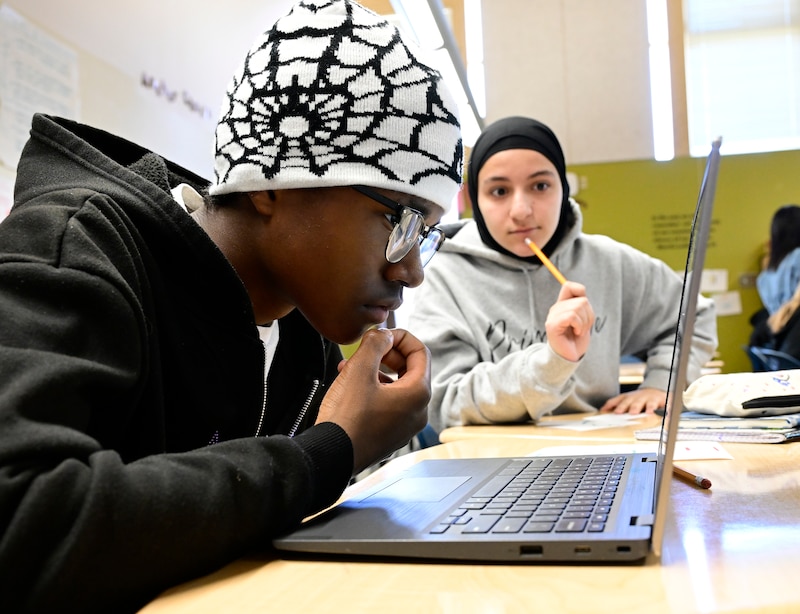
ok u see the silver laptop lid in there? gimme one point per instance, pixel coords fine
(695, 260)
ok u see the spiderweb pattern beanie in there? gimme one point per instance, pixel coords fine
(332, 96)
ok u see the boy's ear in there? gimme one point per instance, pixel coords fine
(263, 201)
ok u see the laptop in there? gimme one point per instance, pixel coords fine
(526, 509)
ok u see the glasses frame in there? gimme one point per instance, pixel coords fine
(403, 219)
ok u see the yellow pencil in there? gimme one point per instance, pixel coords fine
(691, 477)
(546, 261)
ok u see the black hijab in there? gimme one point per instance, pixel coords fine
(519, 133)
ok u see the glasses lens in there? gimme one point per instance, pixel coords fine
(404, 235)
(430, 244)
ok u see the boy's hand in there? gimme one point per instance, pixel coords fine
(378, 413)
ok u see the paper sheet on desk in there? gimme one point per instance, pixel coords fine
(684, 450)
(594, 422)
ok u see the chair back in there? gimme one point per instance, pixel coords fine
(766, 359)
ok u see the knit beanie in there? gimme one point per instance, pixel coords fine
(332, 96)
(519, 133)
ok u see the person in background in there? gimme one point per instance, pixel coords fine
(509, 343)
(172, 392)
(778, 285)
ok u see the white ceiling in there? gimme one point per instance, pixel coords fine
(192, 46)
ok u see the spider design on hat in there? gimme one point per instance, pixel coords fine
(332, 95)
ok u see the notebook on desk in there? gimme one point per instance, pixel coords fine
(594, 508)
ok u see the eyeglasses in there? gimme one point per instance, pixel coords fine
(409, 229)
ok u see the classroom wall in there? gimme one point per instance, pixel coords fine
(112, 99)
(580, 66)
(190, 51)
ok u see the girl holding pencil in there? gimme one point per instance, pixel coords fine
(525, 314)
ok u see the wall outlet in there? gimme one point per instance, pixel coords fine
(747, 280)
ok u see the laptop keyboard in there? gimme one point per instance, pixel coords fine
(541, 495)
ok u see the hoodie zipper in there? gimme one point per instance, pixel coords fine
(306, 405)
(314, 387)
(215, 438)
(264, 399)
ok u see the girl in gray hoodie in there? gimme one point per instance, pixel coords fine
(508, 342)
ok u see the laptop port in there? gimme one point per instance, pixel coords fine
(583, 550)
(623, 548)
(531, 551)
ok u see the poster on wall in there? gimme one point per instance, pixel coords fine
(38, 74)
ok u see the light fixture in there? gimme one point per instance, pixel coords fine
(426, 21)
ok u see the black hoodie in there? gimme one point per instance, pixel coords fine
(127, 347)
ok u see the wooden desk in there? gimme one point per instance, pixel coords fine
(541, 431)
(731, 549)
(632, 373)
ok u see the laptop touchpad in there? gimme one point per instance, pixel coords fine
(420, 489)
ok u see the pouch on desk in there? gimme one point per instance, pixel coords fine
(768, 393)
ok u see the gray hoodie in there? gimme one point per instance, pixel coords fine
(482, 315)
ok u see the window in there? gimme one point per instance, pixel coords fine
(742, 74)
(660, 86)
